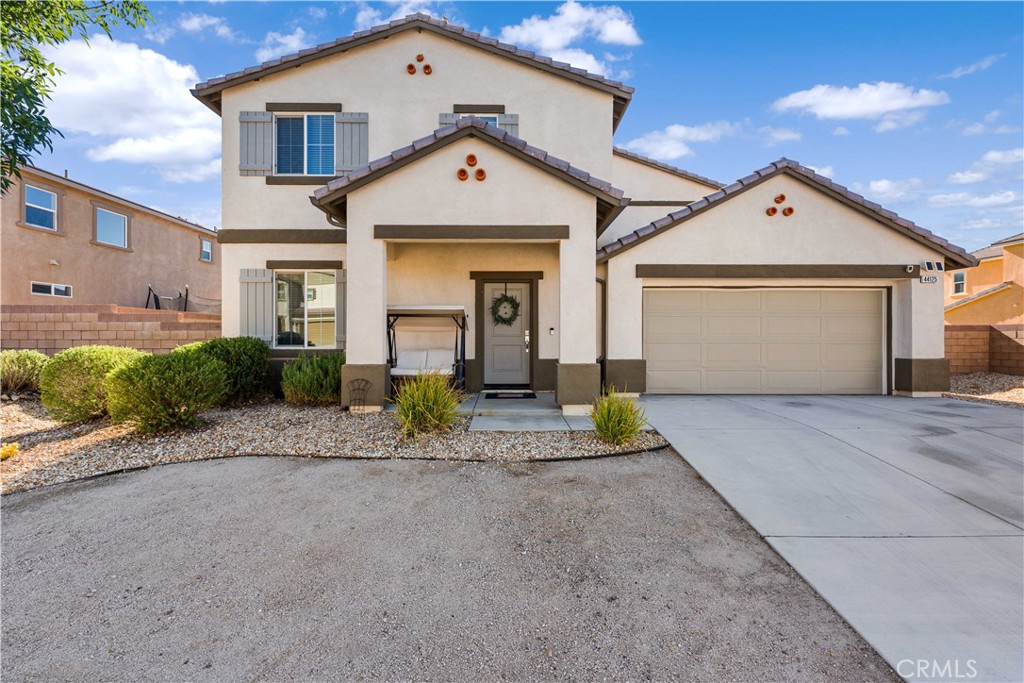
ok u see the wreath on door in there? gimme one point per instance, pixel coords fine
(505, 309)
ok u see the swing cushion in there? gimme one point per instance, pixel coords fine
(415, 361)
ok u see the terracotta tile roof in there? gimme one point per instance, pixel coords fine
(654, 163)
(208, 91)
(956, 255)
(980, 295)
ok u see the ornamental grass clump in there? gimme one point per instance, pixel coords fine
(313, 379)
(427, 403)
(20, 370)
(160, 393)
(71, 384)
(247, 360)
(617, 418)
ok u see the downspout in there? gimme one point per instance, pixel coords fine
(604, 327)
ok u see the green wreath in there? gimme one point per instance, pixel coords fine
(505, 309)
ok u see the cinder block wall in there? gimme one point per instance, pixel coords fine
(985, 348)
(1006, 349)
(53, 328)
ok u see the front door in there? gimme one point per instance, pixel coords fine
(507, 334)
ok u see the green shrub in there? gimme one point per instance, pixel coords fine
(71, 383)
(427, 403)
(247, 360)
(313, 379)
(617, 419)
(20, 370)
(158, 393)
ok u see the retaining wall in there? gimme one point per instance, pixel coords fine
(985, 348)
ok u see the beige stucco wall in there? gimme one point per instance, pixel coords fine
(428, 192)
(1005, 307)
(1013, 264)
(162, 253)
(821, 231)
(569, 120)
(987, 273)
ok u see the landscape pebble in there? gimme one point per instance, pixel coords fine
(50, 452)
(988, 387)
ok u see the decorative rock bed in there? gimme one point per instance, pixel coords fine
(51, 453)
(988, 387)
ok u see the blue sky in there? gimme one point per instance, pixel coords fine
(918, 106)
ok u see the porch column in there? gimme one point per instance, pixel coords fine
(625, 367)
(366, 317)
(921, 368)
(578, 375)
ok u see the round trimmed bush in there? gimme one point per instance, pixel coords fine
(71, 384)
(313, 379)
(247, 360)
(158, 393)
(20, 370)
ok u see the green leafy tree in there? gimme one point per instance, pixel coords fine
(27, 76)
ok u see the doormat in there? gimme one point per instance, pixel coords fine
(510, 394)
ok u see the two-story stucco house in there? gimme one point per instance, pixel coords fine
(420, 164)
(993, 292)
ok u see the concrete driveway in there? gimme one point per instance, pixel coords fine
(905, 514)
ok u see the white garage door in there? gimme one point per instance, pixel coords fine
(764, 341)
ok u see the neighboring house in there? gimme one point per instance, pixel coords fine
(992, 293)
(623, 269)
(67, 243)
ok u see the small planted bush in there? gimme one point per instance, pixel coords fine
(71, 384)
(247, 360)
(617, 418)
(159, 393)
(20, 370)
(427, 403)
(313, 379)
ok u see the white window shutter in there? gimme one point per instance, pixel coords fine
(256, 304)
(256, 143)
(351, 141)
(509, 123)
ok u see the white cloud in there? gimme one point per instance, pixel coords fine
(986, 126)
(572, 22)
(198, 23)
(841, 130)
(980, 65)
(277, 44)
(992, 116)
(191, 174)
(134, 106)
(1009, 156)
(368, 16)
(826, 171)
(773, 136)
(895, 105)
(318, 12)
(967, 177)
(581, 59)
(159, 34)
(994, 162)
(886, 190)
(974, 200)
(671, 143)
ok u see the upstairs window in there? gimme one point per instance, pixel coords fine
(40, 208)
(111, 228)
(489, 118)
(305, 144)
(959, 282)
(205, 250)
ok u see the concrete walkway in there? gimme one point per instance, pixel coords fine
(540, 414)
(905, 514)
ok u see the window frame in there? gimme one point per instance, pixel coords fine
(25, 204)
(305, 309)
(102, 206)
(202, 242)
(486, 117)
(305, 143)
(959, 287)
(51, 285)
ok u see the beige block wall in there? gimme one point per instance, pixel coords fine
(161, 253)
(51, 329)
(985, 348)
(569, 120)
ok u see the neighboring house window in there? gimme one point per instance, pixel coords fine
(305, 144)
(205, 250)
(40, 208)
(51, 289)
(111, 228)
(959, 282)
(305, 308)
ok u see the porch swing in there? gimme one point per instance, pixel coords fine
(411, 362)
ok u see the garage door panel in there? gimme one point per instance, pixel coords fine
(784, 341)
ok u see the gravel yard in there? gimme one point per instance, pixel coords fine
(299, 569)
(51, 452)
(988, 387)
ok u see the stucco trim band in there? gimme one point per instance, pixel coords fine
(577, 383)
(921, 374)
(478, 109)
(304, 106)
(471, 232)
(305, 265)
(282, 236)
(766, 271)
(299, 179)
